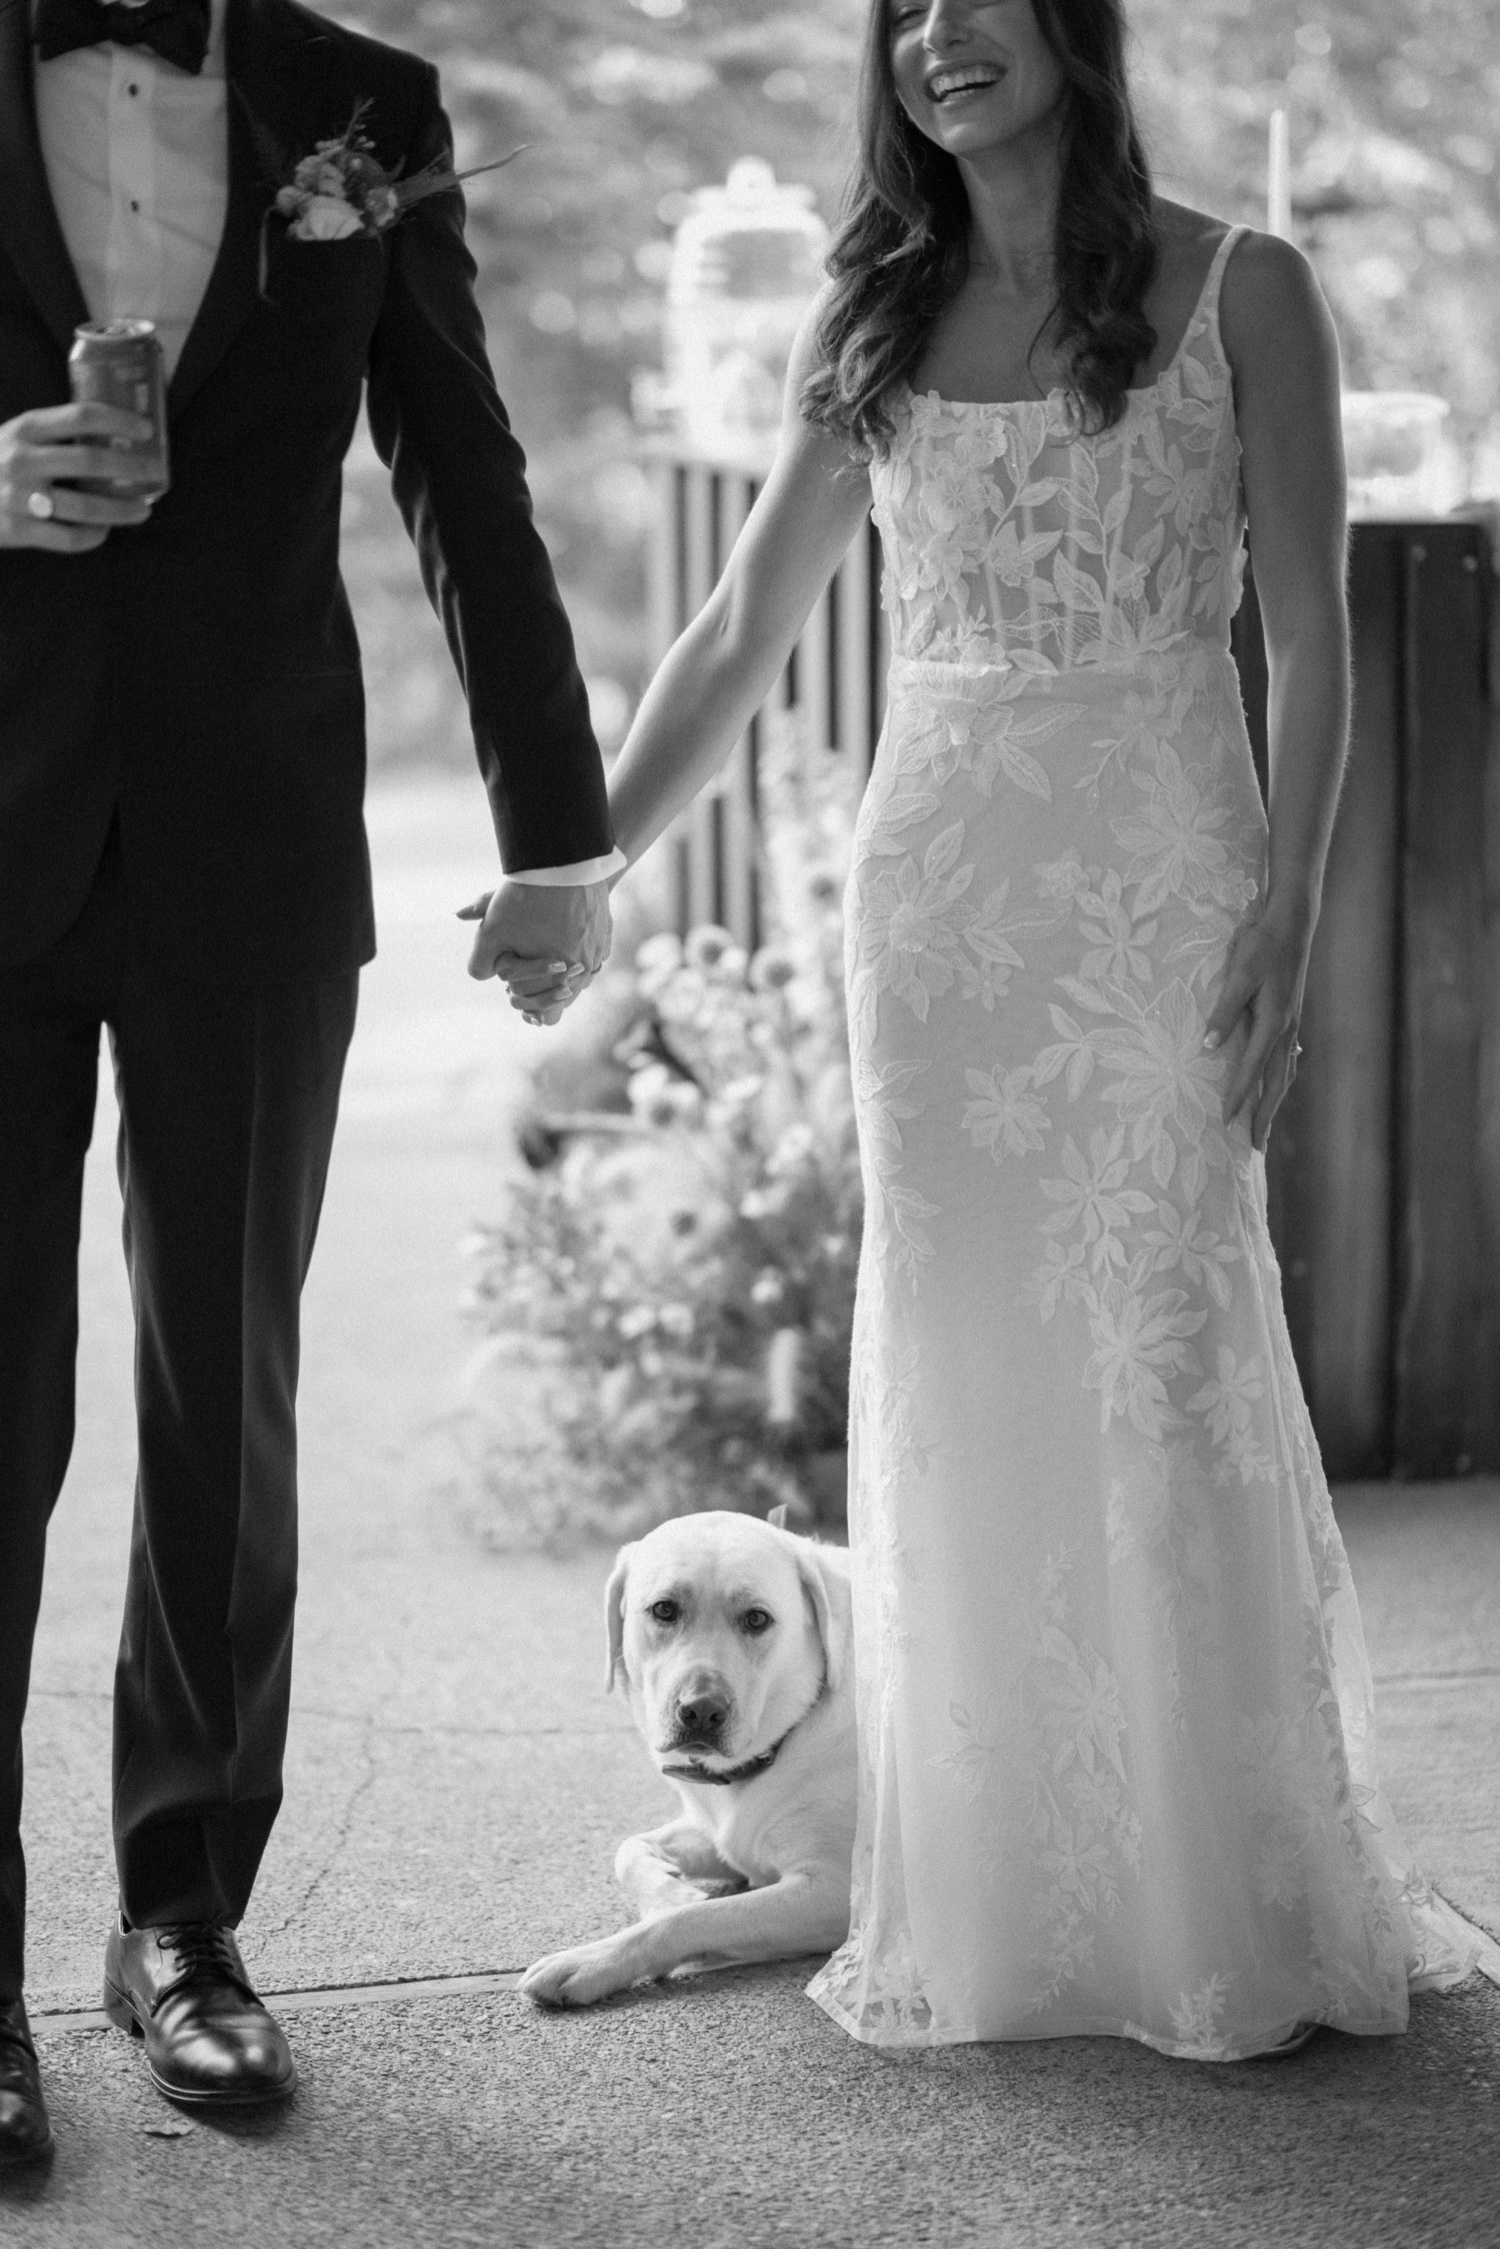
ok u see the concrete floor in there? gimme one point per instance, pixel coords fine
(458, 1780)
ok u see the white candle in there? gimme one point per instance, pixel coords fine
(1279, 178)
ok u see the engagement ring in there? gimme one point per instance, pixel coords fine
(41, 505)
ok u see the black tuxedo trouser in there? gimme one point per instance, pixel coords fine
(228, 1097)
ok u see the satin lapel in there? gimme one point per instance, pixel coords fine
(28, 220)
(276, 67)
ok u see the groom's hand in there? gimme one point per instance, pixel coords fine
(41, 454)
(546, 941)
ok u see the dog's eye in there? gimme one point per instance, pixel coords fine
(757, 1620)
(665, 1612)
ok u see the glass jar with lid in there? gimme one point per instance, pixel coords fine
(746, 263)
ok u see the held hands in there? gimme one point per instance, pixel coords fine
(1259, 1008)
(546, 942)
(39, 453)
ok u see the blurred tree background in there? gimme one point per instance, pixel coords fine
(629, 105)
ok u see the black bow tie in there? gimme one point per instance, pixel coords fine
(177, 30)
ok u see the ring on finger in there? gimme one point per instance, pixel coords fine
(41, 505)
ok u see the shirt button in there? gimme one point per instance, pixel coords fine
(132, 89)
(133, 204)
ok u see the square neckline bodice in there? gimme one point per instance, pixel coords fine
(1207, 301)
(1013, 536)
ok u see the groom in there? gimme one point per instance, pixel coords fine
(182, 858)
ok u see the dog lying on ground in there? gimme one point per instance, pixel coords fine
(732, 1636)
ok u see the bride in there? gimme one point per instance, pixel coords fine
(1118, 1761)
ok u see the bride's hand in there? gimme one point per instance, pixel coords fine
(1259, 1008)
(545, 942)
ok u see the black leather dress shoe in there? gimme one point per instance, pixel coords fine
(25, 2134)
(184, 1990)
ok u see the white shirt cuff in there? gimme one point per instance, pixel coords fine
(581, 870)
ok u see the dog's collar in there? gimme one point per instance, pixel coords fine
(747, 1771)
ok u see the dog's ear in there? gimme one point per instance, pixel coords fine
(828, 1598)
(614, 1615)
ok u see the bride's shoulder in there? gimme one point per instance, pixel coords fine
(1187, 241)
(1265, 278)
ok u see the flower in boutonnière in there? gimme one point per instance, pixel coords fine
(342, 188)
(324, 218)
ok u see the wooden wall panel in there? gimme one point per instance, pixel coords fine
(1447, 1381)
(1487, 1215)
(1329, 1166)
(1331, 1158)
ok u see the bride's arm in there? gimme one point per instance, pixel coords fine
(719, 672)
(1280, 342)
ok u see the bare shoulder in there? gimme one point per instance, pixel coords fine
(1270, 300)
(810, 445)
(1186, 240)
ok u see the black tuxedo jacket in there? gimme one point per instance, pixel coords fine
(199, 676)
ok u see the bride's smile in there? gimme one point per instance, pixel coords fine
(973, 75)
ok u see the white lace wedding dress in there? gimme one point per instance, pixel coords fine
(1118, 1757)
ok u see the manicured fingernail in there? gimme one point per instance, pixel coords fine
(557, 967)
(1210, 1039)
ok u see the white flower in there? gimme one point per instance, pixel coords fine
(325, 218)
(1173, 839)
(1181, 1239)
(911, 923)
(1137, 1341)
(772, 969)
(663, 1100)
(1061, 878)
(708, 945)
(1095, 1196)
(1165, 1077)
(1228, 1401)
(793, 1151)
(1005, 1118)
(1117, 940)
(660, 955)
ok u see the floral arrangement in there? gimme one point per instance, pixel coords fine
(683, 1274)
(343, 189)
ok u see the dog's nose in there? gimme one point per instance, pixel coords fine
(702, 1713)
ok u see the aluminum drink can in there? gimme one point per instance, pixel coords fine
(119, 363)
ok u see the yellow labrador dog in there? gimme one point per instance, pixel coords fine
(732, 1637)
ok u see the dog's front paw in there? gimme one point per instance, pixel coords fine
(578, 1977)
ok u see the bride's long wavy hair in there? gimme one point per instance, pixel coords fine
(901, 252)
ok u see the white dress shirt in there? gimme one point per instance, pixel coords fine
(137, 158)
(136, 154)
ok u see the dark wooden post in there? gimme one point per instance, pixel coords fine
(1384, 1167)
(1447, 1340)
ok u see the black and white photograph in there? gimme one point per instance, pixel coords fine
(750, 1124)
